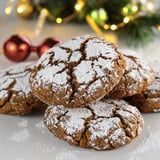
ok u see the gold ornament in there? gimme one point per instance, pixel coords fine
(24, 8)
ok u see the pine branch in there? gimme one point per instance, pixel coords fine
(140, 31)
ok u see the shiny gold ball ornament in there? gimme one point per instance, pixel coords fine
(24, 8)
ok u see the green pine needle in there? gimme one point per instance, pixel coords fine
(140, 31)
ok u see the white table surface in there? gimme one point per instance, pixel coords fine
(26, 138)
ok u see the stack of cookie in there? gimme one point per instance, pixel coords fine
(83, 81)
(73, 79)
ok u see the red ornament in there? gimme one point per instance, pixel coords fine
(18, 48)
(45, 45)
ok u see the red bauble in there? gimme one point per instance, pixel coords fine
(16, 48)
(45, 45)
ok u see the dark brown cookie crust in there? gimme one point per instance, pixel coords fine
(15, 93)
(81, 70)
(106, 124)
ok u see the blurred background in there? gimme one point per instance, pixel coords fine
(127, 23)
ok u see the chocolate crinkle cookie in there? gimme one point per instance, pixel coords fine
(106, 124)
(148, 100)
(137, 77)
(15, 93)
(77, 72)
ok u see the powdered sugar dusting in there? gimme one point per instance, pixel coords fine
(128, 113)
(129, 52)
(146, 71)
(50, 75)
(132, 71)
(23, 123)
(22, 84)
(96, 47)
(75, 57)
(123, 106)
(3, 94)
(61, 56)
(100, 120)
(118, 136)
(155, 86)
(156, 110)
(129, 63)
(138, 75)
(102, 109)
(74, 43)
(5, 82)
(93, 87)
(84, 72)
(52, 118)
(135, 75)
(154, 100)
(20, 136)
(40, 126)
(74, 120)
(17, 77)
(73, 66)
(45, 148)
(100, 128)
(144, 68)
(19, 68)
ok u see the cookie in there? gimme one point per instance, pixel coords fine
(106, 124)
(77, 72)
(148, 100)
(15, 93)
(137, 77)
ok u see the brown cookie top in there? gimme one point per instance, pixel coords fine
(148, 100)
(102, 125)
(77, 72)
(153, 91)
(15, 92)
(137, 77)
